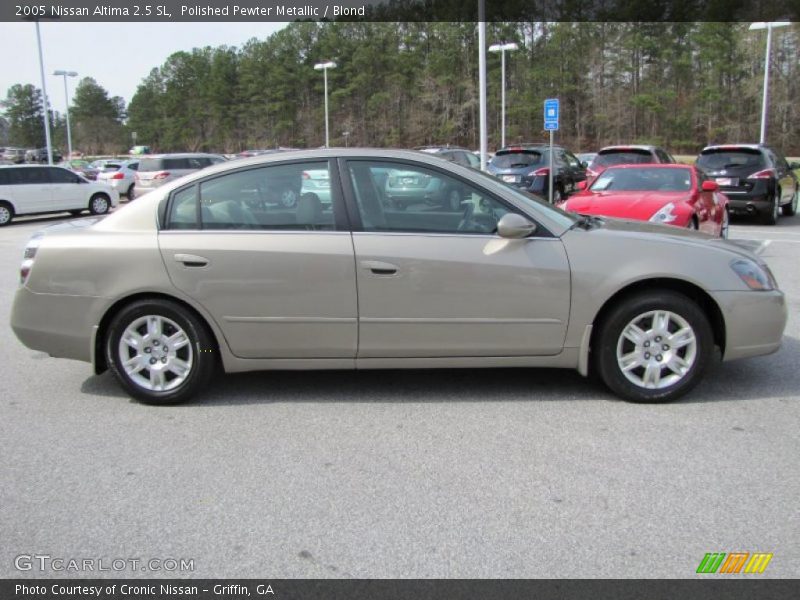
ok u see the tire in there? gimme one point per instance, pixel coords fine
(6, 213)
(557, 196)
(725, 227)
(189, 362)
(630, 369)
(129, 193)
(99, 204)
(288, 198)
(790, 210)
(770, 217)
(692, 224)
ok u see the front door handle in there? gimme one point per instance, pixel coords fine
(192, 260)
(379, 268)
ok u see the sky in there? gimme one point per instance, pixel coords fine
(117, 55)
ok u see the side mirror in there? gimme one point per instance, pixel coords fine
(581, 185)
(794, 165)
(710, 186)
(513, 226)
(584, 165)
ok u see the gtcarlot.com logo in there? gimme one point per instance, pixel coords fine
(45, 562)
(735, 562)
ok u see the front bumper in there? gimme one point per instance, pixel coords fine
(754, 322)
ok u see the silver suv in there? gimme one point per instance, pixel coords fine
(154, 171)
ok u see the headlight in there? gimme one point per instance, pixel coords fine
(665, 215)
(754, 275)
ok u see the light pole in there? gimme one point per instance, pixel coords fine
(769, 26)
(324, 66)
(502, 49)
(66, 74)
(44, 99)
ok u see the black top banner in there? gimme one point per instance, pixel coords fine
(400, 10)
(399, 589)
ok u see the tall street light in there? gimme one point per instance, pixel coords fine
(324, 66)
(769, 27)
(502, 49)
(66, 74)
(44, 99)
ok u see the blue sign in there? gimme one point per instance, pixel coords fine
(551, 110)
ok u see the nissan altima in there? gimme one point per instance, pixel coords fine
(208, 272)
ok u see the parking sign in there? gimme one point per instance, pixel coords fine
(551, 110)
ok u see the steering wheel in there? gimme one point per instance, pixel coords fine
(466, 223)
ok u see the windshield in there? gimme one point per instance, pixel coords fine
(729, 159)
(517, 159)
(643, 179)
(622, 157)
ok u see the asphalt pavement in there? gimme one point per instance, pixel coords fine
(510, 473)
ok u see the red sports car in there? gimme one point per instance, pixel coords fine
(671, 194)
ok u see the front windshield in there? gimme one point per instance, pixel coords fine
(642, 180)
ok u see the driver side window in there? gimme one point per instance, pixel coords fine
(406, 197)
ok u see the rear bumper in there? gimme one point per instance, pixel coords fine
(754, 322)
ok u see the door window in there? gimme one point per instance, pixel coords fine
(34, 175)
(61, 175)
(411, 198)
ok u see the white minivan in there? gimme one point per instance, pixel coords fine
(35, 189)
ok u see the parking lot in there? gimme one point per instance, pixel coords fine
(442, 473)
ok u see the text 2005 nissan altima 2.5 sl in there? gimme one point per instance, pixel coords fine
(216, 270)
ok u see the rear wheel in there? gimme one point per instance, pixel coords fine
(6, 213)
(99, 204)
(770, 217)
(790, 210)
(653, 346)
(160, 352)
(129, 193)
(725, 226)
(692, 224)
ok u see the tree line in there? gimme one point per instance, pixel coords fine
(679, 85)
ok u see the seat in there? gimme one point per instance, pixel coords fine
(309, 211)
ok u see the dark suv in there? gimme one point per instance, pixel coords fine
(627, 155)
(39, 155)
(527, 166)
(756, 178)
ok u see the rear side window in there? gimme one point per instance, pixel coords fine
(9, 176)
(177, 163)
(622, 157)
(34, 175)
(58, 175)
(717, 159)
(514, 159)
(183, 214)
(151, 164)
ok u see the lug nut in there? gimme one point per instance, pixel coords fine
(647, 355)
(647, 344)
(665, 347)
(147, 350)
(155, 342)
(658, 338)
(659, 358)
(164, 360)
(153, 361)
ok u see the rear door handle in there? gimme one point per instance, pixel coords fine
(379, 268)
(192, 260)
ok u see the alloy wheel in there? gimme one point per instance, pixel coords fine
(5, 215)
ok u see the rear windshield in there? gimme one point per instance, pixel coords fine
(174, 163)
(712, 160)
(513, 159)
(608, 158)
(643, 179)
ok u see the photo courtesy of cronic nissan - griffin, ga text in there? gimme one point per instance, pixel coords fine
(216, 271)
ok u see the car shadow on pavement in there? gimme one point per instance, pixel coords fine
(774, 376)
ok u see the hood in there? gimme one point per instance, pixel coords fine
(628, 205)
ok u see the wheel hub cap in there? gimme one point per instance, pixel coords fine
(156, 353)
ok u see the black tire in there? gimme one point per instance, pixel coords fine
(770, 216)
(201, 351)
(6, 213)
(610, 339)
(129, 193)
(99, 204)
(790, 210)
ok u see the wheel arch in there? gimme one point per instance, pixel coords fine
(99, 361)
(706, 303)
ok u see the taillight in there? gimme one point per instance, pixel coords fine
(306, 175)
(117, 176)
(28, 256)
(162, 175)
(540, 172)
(765, 174)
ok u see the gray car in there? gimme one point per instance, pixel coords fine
(121, 176)
(197, 276)
(154, 171)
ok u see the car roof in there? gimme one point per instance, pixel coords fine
(630, 147)
(179, 155)
(735, 146)
(31, 166)
(652, 166)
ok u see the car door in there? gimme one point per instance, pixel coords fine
(575, 171)
(442, 284)
(278, 280)
(67, 191)
(33, 191)
(785, 179)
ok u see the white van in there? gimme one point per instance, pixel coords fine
(34, 189)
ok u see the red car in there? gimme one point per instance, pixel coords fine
(671, 194)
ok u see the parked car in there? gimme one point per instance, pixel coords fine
(586, 157)
(677, 195)
(757, 178)
(139, 150)
(121, 178)
(102, 164)
(34, 189)
(190, 278)
(39, 155)
(15, 155)
(627, 155)
(81, 167)
(460, 156)
(527, 166)
(154, 171)
(317, 182)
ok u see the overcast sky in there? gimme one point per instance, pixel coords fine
(117, 55)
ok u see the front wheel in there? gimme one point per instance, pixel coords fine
(771, 216)
(6, 213)
(725, 226)
(160, 352)
(653, 346)
(99, 204)
(790, 210)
